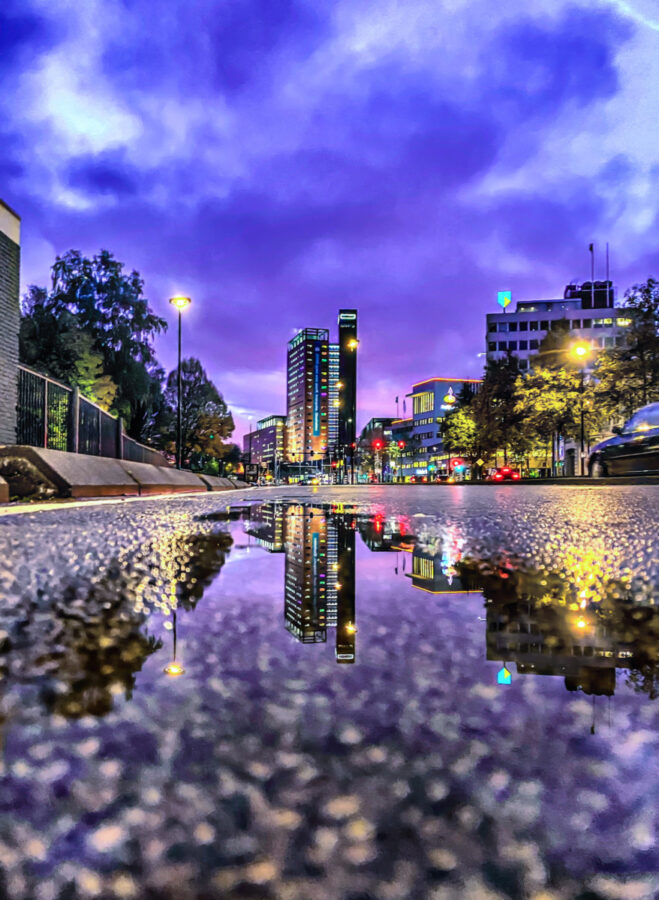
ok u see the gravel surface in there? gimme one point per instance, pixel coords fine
(265, 769)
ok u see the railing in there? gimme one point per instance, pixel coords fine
(55, 416)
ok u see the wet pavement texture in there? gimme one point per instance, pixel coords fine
(353, 693)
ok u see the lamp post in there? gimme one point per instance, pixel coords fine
(180, 303)
(581, 351)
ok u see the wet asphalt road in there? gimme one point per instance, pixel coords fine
(266, 770)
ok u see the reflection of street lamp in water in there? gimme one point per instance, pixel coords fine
(174, 668)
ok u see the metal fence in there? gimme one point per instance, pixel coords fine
(53, 415)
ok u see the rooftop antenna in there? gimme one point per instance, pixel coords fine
(591, 247)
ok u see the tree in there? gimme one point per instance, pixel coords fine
(205, 417)
(56, 345)
(494, 407)
(109, 305)
(461, 434)
(628, 375)
(88, 374)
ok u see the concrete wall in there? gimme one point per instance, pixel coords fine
(9, 320)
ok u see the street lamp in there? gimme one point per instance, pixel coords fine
(180, 303)
(581, 352)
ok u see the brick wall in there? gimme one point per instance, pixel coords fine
(9, 321)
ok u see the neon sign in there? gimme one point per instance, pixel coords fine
(504, 298)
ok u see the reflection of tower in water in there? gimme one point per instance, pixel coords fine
(305, 590)
(320, 578)
(346, 624)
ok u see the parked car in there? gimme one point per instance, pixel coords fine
(633, 449)
(505, 473)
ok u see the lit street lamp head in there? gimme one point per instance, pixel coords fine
(353, 343)
(581, 351)
(180, 303)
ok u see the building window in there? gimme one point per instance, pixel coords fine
(523, 326)
(576, 323)
(512, 345)
(523, 345)
(587, 323)
(533, 326)
(502, 345)
(492, 326)
(544, 325)
(423, 402)
(491, 346)
(512, 326)
(503, 326)
(533, 345)
(523, 365)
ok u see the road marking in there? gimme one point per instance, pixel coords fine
(44, 506)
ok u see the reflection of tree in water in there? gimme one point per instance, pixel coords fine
(90, 645)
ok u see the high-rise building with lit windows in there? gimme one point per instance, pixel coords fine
(348, 344)
(307, 419)
(334, 399)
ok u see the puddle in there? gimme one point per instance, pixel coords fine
(303, 699)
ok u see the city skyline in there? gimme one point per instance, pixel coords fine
(333, 157)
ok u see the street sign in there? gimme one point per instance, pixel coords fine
(480, 462)
(456, 461)
(504, 298)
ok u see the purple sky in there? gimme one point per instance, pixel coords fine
(279, 159)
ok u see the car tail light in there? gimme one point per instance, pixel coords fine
(515, 474)
(505, 469)
(498, 476)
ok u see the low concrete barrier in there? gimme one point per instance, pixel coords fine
(162, 479)
(36, 472)
(215, 483)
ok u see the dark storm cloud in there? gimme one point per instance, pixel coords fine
(536, 67)
(105, 173)
(214, 45)
(22, 33)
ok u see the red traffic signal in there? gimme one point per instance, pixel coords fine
(377, 445)
(401, 445)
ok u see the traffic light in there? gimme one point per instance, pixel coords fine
(401, 445)
(377, 445)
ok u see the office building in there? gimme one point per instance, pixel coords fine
(424, 455)
(265, 447)
(333, 413)
(307, 396)
(588, 309)
(348, 343)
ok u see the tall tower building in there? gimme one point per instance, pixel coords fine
(348, 344)
(334, 395)
(307, 420)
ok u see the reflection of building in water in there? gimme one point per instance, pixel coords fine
(305, 587)
(346, 623)
(266, 524)
(585, 646)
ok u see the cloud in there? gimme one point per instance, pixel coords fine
(278, 159)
